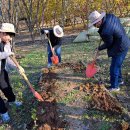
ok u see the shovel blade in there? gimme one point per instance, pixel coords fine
(91, 70)
(55, 59)
(38, 96)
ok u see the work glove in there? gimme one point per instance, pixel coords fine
(4, 55)
(10, 53)
(43, 31)
(46, 31)
(21, 70)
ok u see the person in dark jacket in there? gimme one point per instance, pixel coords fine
(115, 41)
(54, 34)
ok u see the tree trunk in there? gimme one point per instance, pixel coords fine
(63, 13)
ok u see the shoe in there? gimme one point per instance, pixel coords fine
(121, 83)
(5, 117)
(16, 103)
(114, 89)
(49, 66)
(59, 63)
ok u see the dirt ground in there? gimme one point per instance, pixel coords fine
(64, 81)
(69, 78)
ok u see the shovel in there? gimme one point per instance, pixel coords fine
(91, 68)
(54, 58)
(35, 93)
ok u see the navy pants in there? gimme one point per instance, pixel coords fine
(5, 87)
(115, 69)
(57, 51)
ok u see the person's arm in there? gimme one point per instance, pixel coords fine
(4, 55)
(9, 63)
(108, 41)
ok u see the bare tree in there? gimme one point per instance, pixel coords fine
(31, 10)
(63, 13)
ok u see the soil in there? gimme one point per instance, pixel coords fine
(57, 82)
(69, 78)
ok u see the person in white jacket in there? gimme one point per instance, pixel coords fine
(7, 31)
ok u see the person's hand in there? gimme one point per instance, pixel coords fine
(53, 49)
(46, 31)
(21, 70)
(10, 54)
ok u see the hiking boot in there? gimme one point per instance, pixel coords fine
(5, 117)
(16, 103)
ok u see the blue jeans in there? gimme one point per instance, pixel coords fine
(57, 52)
(115, 69)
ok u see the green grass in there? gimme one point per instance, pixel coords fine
(69, 97)
(34, 59)
(104, 126)
(100, 115)
(78, 51)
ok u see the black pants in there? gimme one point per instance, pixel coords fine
(7, 90)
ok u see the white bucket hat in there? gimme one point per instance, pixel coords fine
(58, 31)
(7, 27)
(95, 17)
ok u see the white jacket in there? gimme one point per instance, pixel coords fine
(5, 55)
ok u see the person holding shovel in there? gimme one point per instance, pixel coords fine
(7, 31)
(54, 42)
(115, 41)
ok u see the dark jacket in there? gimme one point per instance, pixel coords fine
(54, 40)
(114, 36)
(3, 61)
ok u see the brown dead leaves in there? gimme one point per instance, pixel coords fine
(102, 98)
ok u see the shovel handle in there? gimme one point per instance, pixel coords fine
(18, 66)
(96, 55)
(50, 45)
(15, 61)
(36, 94)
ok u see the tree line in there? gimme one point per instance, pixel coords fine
(47, 13)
